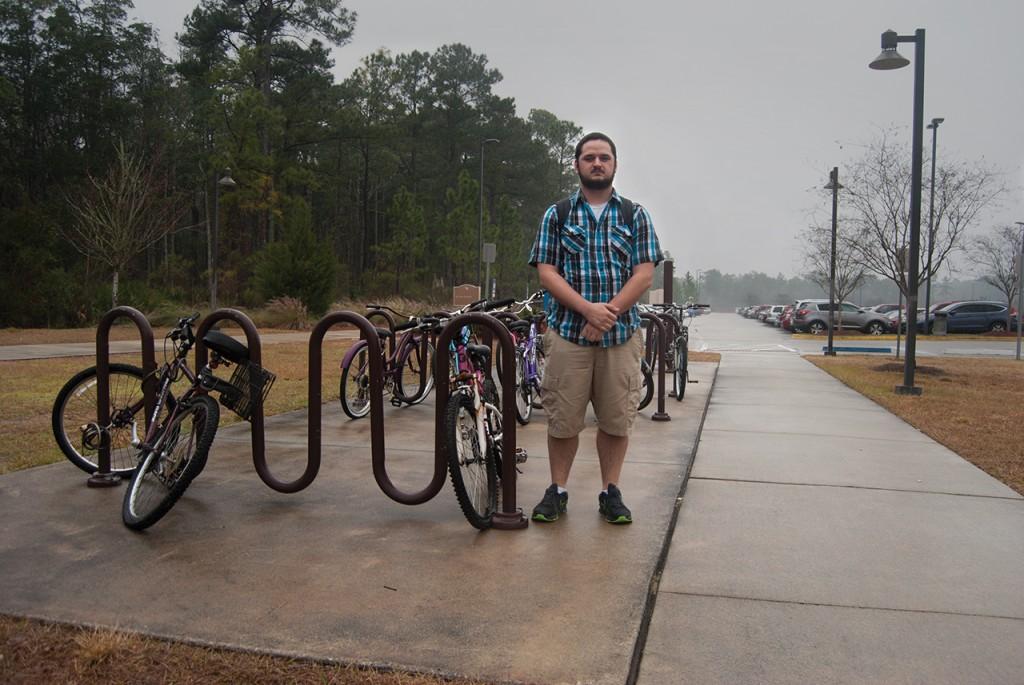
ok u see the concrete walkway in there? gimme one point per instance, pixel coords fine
(819, 539)
(823, 540)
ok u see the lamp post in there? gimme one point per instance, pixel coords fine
(1020, 285)
(700, 272)
(211, 241)
(480, 232)
(934, 128)
(889, 58)
(834, 186)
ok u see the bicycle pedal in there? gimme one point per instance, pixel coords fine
(395, 402)
(521, 455)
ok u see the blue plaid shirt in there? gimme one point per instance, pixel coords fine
(596, 256)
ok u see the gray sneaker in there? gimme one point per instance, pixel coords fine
(552, 505)
(611, 506)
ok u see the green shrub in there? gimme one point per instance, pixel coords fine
(298, 266)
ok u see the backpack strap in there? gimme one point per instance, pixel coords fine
(565, 205)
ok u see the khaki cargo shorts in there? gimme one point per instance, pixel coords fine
(578, 375)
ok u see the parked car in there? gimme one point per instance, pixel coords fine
(773, 313)
(786, 318)
(813, 317)
(884, 308)
(975, 316)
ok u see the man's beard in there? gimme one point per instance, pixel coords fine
(596, 183)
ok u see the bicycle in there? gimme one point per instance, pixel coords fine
(181, 429)
(403, 377)
(530, 359)
(473, 430)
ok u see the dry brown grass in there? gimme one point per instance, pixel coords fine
(28, 388)
(704, 356)
(971, 405)
(37, 652)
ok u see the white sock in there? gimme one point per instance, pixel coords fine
(561, 490)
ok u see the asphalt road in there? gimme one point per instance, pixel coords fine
(727, 331)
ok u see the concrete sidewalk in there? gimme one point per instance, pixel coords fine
(823, 540)
(341, 572)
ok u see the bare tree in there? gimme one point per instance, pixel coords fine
(995, 254)
(816, 243)
(878, 205)
(123, 213)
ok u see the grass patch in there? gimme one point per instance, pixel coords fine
(970, 405)
(703, 356)
(28, 389)
(37, 652)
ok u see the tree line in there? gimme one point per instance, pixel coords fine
(126, 174)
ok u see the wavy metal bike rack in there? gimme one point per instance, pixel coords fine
(376, 361)
(659, 415)
(511, 517)
(391, 323)
(103, 478)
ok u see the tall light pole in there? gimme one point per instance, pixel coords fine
(211, 241)
(890, 59)
(700, 273)
(934, 128)
(480, 232)
(833, 185)
(1020, 285)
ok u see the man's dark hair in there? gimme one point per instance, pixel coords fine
(594, 136)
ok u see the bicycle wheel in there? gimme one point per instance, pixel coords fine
(647, 388)
(409, 389)
(74, 415)
(470, 464)
(354, 390)
(524, 391)
(680, 374)
(178, 455)
(542, 362)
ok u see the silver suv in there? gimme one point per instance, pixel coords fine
(812, 316)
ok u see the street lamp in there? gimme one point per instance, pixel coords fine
(834, 186)
(1020, 285)
(480, 232)
(890, 59)
(934, 128)
(211, 242)
(700, 273)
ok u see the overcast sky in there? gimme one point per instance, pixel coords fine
(727, 115)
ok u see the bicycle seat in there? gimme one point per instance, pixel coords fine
(385, 333)
(226, 346)
(521, 327)
(483, 352)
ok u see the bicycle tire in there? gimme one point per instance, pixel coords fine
(680, 375)
(164, 474)
(542, 362)
(75, 407)
(647, 388)
(471, 465)
(410, 362)
(524, 393)
(354, 386)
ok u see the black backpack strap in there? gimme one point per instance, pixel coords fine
(626, 211)
(562, 208)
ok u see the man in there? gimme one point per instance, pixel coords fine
(595, 265)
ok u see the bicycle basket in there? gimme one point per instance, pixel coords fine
(250, 382)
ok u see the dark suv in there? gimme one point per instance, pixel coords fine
(970, 317)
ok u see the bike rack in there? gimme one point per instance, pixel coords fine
(259, 455)
(380, 474)
(671, 333)
(389, 317)
(103, 478)
(659, 415)
(511, 517)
